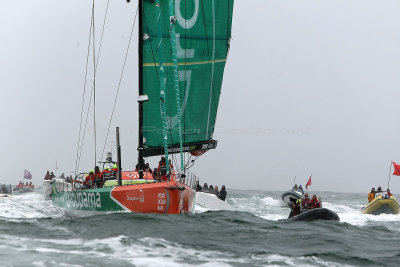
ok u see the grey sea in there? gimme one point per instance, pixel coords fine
(34, 233)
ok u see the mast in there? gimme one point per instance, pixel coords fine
(140, 68)
(119, 174)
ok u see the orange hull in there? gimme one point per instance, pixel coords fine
(155, 198)
(158, 197)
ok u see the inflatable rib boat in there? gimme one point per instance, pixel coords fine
(314, 214)
(382, 204)
(292, 196)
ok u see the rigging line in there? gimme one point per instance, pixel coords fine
(84, 131)
(119, 83)
(83, 96)
(94, 91)
(97, 62)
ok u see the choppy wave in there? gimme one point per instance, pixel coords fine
(27, 206)
(249, 236)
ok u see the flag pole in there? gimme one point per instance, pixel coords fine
(390, 171)
(294, 181)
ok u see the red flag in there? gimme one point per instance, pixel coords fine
(396, 169)
(309, 182)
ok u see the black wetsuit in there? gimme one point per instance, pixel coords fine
(222, 194)
(198, 188)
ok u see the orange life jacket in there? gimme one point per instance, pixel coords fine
(371, 197)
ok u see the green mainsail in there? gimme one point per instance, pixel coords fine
(202, 35)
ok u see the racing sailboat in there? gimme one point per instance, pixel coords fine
(183, 47)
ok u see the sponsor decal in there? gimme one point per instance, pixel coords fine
(139, 198)
(81, 200)
(161, 201)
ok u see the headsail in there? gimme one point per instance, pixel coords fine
(27, 175)
(202, 35)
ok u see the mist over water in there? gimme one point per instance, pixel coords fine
(33, 232)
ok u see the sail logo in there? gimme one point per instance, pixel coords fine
(81, 200)
(186, 23)
(184, 75)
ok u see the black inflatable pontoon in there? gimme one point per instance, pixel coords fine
(314, 214)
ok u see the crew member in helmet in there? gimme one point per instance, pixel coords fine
(106, 174)
(114, 167)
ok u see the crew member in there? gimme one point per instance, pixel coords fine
(162, 169)
(47, 176)
(90, 179)
(114, 167)
(371, 194)
(305, 202)
(294, 187)
(147, 168)
(106, 173)
(222, 193)
(295, 208)
(198, 187)
(98, 177)
(388, 192)
(314, 203)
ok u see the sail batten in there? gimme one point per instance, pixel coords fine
(195, 38)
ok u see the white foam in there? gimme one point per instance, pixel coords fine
(30, 205)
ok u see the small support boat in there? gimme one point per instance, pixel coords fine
(382, 204)
(292, 195)
(25, 188)
(314, 214)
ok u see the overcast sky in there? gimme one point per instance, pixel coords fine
(310, 87)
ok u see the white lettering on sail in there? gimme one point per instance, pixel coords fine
(182, 53)
(186, 23)
(184, 76)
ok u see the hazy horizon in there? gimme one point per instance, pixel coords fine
(310, 88)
